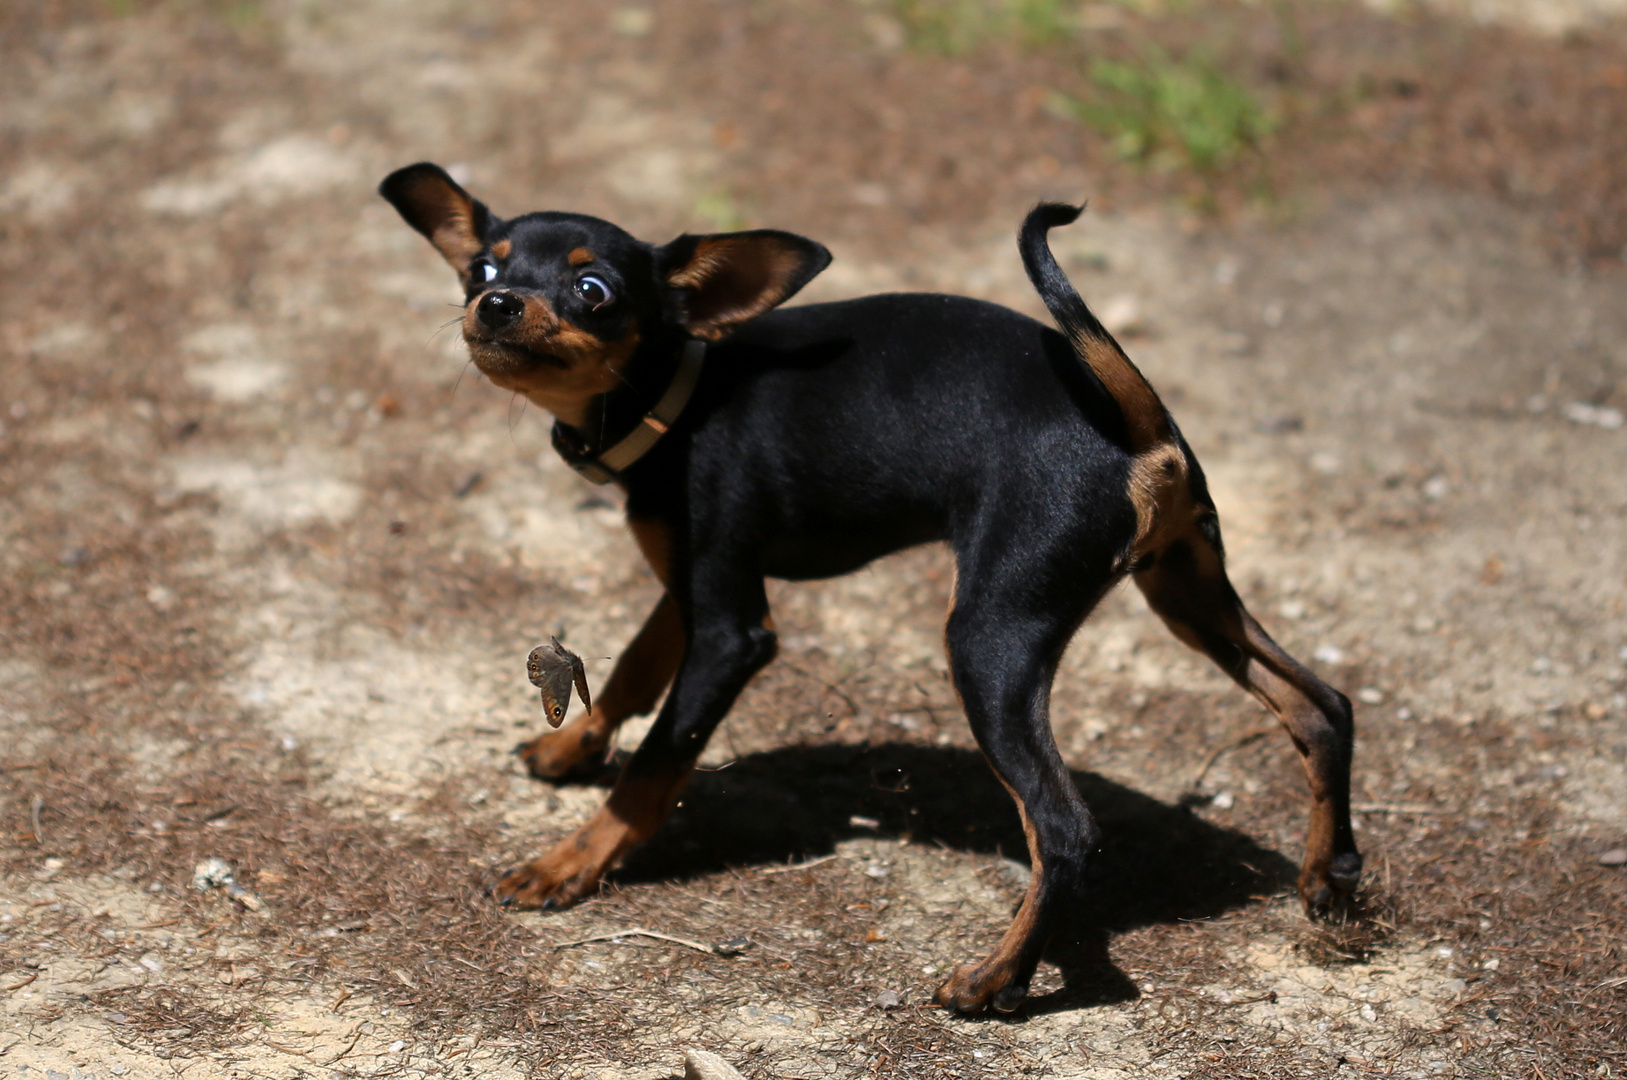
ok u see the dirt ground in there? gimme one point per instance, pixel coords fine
(273, 557)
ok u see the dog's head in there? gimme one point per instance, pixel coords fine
(556, 304)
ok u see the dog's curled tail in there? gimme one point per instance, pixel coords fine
(1145, 420)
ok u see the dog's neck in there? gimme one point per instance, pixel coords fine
(624, 424)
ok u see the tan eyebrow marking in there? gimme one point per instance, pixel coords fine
(580, 257)
(503, 248)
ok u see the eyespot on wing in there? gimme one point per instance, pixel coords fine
(554, 669)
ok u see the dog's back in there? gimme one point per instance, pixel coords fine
(845, 430)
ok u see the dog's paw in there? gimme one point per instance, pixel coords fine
(973, 988)
(546, 884)
(574, 752)
(1328, 894)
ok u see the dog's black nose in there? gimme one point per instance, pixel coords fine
(499, 309)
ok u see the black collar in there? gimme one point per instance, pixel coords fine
(608, 466)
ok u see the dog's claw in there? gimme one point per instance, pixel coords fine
(1011, 998)
(1329, 894)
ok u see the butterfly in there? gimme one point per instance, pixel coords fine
(552, 668)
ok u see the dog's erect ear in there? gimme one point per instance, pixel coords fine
(433, 203)
(724, 279)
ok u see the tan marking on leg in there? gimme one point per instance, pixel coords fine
(572, 870)
(655, 542)
(972, 987)
(1161, 492)
(1188, 588)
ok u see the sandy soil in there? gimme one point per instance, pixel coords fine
(269, 545)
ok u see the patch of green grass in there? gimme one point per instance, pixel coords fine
(956, 27)
(1171, 112)
(719, 210)
(242, 15)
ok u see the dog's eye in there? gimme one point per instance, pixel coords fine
(482, 271)
(594, 290)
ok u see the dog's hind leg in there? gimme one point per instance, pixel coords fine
(1006, 633)
(1185, 583)
(636, 683)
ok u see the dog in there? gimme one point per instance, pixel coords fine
(758, 441)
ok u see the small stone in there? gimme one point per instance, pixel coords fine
(633, 21)
(1224, 801)
(705, 1065)
(732, 947)
(1329, 654)
(858, 821)
(888, 999)
(211, 874)
(1370, 695)
(1292, 609)
(1614, 857)
(1603, 416)
(397, 1046)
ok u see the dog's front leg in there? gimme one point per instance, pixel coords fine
(729, 642)
(635, 685)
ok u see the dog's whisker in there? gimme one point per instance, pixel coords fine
(459, 380)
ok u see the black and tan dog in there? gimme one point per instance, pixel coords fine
(803, 443)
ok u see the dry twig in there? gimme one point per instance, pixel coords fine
(800, 865)
(638, 931)
(1221, 751)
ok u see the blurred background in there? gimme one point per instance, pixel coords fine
(271, 555)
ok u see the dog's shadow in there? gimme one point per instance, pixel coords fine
(1158, 863)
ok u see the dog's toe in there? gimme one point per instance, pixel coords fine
(973, 989)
